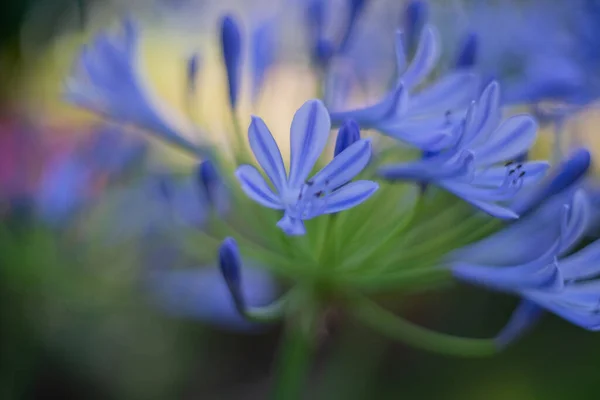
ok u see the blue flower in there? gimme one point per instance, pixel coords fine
(231, 46)
(263, 54)
(106, 80)
(416, 14)
(544, 274)
(326, 192)
(424, 119)
(472, 168)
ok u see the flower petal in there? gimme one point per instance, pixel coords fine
(429, 169)
(542, 273)
(494, 177)
(349, 196)
(255, 187)
(425, 59)
(522, 319)
(578, 219)
(267, 153)
(452, 91)
(391, 108)
(511, 139)
(486, 116)
(344, 166)
(308, 136)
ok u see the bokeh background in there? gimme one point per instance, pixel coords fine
(82, 317)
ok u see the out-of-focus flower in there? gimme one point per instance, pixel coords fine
(470, 168)
(107, 80)
(556, 279)
(423, 119)
(263, 53)
(231, 45)
(302, 199)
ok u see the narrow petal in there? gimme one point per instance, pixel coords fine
(541, 273)
(578, 218)
(255, 187)
(349, 196)
(344, 166)
(566, 174)
(425, 59)
(560, 306)
(429, 169)
(451, 92)
(267, 153)
(486, 117)
(493, 209)
(525, 316)
(392, 107)
(308, 136)
(584, 264)
(400, 53)
(514, 137)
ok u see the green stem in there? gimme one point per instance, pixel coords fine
(296, 353)
(397, 328)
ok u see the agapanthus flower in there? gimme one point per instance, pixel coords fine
(422, 118)
(107, 80)
(406, 237)
(556, 279)
(479, 167)
(328, 191)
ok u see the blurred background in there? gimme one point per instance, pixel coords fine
(105, 294)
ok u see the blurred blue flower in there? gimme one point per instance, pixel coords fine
(107, 80)
(326, 192)
(470, 169)
(263, 53)
(544, 273)
(424, 119)
(231, 46)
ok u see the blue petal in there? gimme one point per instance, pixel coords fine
(344, 166)
(263, 54)
(231, 46)
(400, 53)
(429, 169)
(394, 105)
(255, 187)
(308, 137)
(425, 58)
(567, 174)
(267, 153)
(561, 305)
(584, 264)
(512, 138)
(578, 218)
(349, 196)
(493, 209)
(450, 92)
(522, 319)
(291, 226)
(467, 54)
(541, 273)
(485, 116)
(430, 134)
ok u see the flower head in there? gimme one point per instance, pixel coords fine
(479, 166)
(328, 191)
(107, 80)
(555, 279)
(422, 118)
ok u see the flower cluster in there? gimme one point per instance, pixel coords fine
(431, 193)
